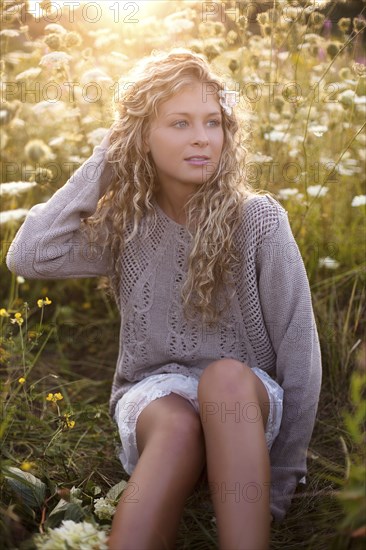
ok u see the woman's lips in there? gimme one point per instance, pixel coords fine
(197, 161)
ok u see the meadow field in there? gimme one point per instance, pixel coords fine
(300, 70)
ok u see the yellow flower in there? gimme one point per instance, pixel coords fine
(21, 380)
(54, 397)
(44, 302)
(26, 466)
(17, 319)
(70, 423)
(4, 313)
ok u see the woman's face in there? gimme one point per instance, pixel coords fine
(188, 126)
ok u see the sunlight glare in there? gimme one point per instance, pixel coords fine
(109, 9)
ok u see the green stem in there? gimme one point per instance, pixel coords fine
(41, 348)
(23, 348)
(55, 436)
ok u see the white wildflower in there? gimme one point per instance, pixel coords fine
(274, 135)
(52, 108)
(71, 113)
(95, 75)
(104, 508)
(317, 190)
(99, 32)
(259, 157)
(87, 119)
(321, 4)
(73, 536)
(360, 99)
(361, 138)
(294, 153)
(361, 154)
(311, 37)
(178, 25)
(74, 495)
(77, 159)
(178, 22)
(55, 60)
(56, 141)
(275, 117)
(292, 13)
(287, 193)
(10, 215)
(20, 280)
(3, 116)
(55, 27)
(360, 104)
(106, 40)
(120, 56)
(348, 167)
(33, 72)
(15, 187)
(328, 262)
(318, 129)
(347, 97)
(96, 136)
(359, 200)
(14, 58)
(283, 55)
(9, 33)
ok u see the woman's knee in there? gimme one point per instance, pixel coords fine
(229, 379)
(225, 376)
(173, 418)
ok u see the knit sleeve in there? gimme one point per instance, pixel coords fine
(50, 244)
(289, 318)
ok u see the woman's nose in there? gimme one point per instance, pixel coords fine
(201, 142)
(200, 137)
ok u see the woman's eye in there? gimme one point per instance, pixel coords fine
(179, 122)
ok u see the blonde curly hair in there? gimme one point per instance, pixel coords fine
(214, 211)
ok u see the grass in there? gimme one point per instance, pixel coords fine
(85, 456)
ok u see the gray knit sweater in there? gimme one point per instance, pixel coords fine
(269, 325)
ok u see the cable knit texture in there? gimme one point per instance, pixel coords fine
(270, 324)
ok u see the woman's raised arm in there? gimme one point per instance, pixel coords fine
(50, 244)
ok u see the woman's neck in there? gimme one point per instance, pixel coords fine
(173, 207)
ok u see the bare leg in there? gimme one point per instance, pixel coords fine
(170, 442)
(238, 467)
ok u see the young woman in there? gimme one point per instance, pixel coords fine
(219, 368)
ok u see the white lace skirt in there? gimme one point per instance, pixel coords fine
(141, 394)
